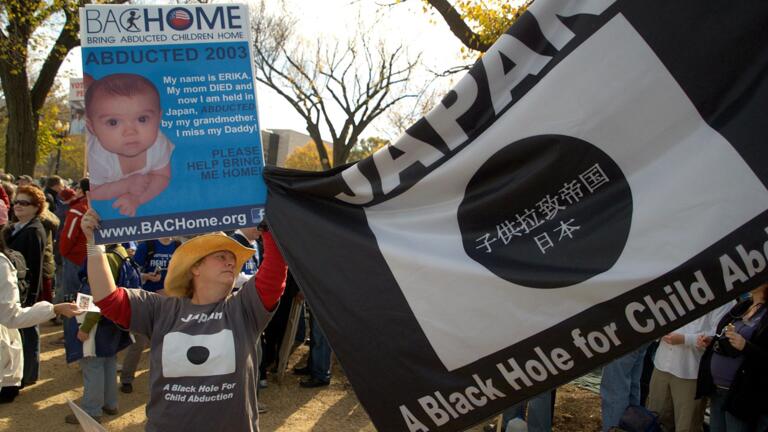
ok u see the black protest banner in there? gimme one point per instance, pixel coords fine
(595, 181)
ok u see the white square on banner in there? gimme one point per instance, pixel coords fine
(689, 189)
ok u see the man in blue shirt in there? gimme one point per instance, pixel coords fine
(153, 256)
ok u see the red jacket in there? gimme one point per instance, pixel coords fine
(72, 240)
(4, 198)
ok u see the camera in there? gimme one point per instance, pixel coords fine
(723, 346)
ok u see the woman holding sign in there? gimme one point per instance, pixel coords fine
(204, 338)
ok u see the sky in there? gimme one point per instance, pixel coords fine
(328, 19)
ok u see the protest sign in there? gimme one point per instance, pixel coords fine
(172, 128)
(87, 423)
(76, 106)
(596, 180)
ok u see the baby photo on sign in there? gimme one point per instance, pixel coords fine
(128, 156)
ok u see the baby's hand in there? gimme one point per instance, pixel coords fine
(138, 183)
(127, 204)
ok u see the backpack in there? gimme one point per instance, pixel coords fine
(129, 275)
(109, 337)
(20, 264)
(639, 419)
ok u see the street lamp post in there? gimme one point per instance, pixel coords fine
(62, 130)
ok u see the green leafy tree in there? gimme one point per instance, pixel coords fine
(51, 130)
(477, 23)
(366, 147)
(72, 164)
(25, 97)
(306, 158)
(56, 149)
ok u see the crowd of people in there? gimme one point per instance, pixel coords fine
(719, 360)
(44, 225)
(192, 300)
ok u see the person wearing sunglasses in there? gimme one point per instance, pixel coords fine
(27, 236)
(734, 369)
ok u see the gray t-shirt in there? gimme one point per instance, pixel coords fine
(202, 371)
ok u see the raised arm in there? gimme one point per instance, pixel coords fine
(270, 279)
(99, 274)
(112, 301)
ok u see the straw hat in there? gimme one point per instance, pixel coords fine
(179, 275)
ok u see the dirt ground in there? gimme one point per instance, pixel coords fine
(42, 407)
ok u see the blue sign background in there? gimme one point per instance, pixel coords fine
(188, 189)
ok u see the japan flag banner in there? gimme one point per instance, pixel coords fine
(598, 168)
(595, 181)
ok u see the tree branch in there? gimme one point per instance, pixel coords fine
(458, 27)
(341, 88)
(68, 39)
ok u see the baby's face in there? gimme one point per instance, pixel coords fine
(126, 126)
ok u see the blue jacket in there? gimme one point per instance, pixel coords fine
(109, 337)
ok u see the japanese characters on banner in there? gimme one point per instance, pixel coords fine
(172, 128)
(76, 106)
(546, 209)
(595, 181)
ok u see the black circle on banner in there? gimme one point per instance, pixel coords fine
(198, 355)
(547, 211)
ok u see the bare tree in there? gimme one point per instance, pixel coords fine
(342, 86)
(401, 118)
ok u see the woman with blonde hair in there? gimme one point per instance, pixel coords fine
(204, 336)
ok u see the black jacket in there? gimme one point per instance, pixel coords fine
(50, 196)
(30, 242)
(746, 396)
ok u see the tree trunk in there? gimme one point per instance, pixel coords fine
(314, 133)
(20, 137)
(341, 151)
(24, 104)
